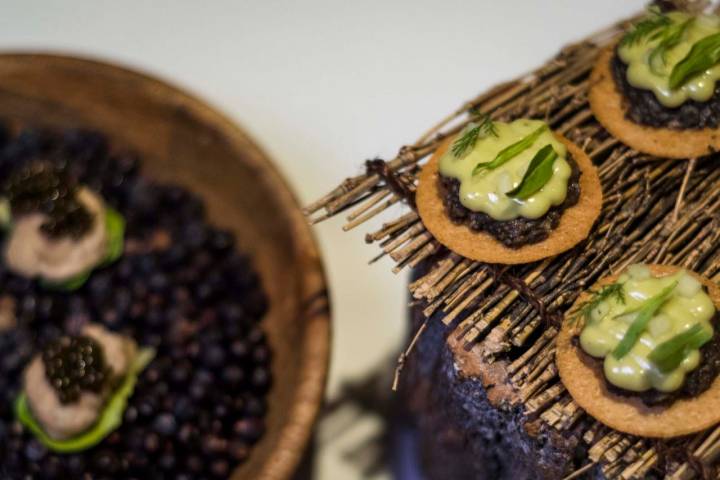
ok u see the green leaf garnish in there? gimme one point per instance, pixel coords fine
(69, 285)
(537, 175)
(671, 38)
(648, 27)
(703, 55)
(645, 313)
(475, 130)
(115, 227)
(585, 308)
(110, 418)
(510, 152)
(5, 214)
(668, 355)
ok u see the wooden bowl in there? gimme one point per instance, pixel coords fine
(184, 140)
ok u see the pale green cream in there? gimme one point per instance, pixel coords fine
(641, 74)
(688, 305)
(485, 192)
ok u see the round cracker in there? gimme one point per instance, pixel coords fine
(586, 383)
(608, 105)
(574, 227)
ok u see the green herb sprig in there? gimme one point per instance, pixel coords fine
(511, 151)
(648, 27)
(481, 127)
(669, 355)
(644, 314)
(671, 38)
(704, 54)
(537, 175)
(607, 292)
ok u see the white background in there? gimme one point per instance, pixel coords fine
(323, 85)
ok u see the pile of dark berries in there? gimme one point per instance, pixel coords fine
(73, 365)
(44, 187)
(182, 288)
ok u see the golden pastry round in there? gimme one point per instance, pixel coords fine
(574, 226)
(608, 105)
(585, 381)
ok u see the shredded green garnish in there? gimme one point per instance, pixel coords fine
(110, 418)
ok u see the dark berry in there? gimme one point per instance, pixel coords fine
(165, 424)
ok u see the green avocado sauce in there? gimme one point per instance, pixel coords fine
(650, 69)
(486, 191)
(687, 306)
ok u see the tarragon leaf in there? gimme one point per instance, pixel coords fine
(539, 172)
(645, 313)
(668, 355)
(704, 54)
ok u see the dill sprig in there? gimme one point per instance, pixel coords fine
(584, 309)
(650, 26)
(479, 128)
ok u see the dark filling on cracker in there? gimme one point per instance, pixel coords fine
(512, 233)
(696, 382)
(642, 107)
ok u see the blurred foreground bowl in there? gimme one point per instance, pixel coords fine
(183, 140)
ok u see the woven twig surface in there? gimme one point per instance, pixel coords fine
(654, 211)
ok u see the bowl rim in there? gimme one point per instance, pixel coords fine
(295, 435)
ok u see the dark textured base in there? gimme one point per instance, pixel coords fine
(463, 435)
(643, 107)
(511, 233)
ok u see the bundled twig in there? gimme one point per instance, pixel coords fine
(654, 211)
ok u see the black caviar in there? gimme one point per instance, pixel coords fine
(73, 365)
(43, 187)
(512, 233)
(643, 107)
(182, 288)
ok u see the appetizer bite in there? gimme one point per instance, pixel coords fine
(58, 231)
(75, 391)
(656, 89)
(509, 192)
(79, 397)
(639, 352)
